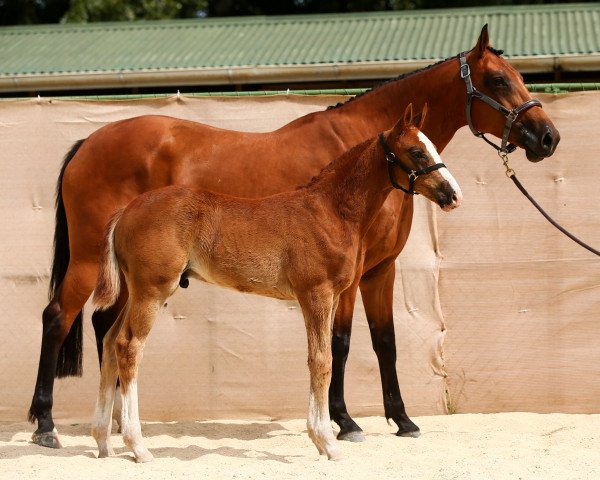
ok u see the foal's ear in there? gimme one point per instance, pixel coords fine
(408, 116)
(419, 119)
(483, 42)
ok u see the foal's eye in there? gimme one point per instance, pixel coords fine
(418, 156)
(416, 153)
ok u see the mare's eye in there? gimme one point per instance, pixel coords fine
(500, 82)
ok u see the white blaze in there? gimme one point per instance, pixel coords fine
(444, 171)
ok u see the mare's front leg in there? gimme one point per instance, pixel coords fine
(318, 308)
(377, 290)
(340, 346)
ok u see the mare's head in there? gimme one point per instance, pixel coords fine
(493, 76)
(416, 164)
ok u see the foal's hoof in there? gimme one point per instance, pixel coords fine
(144, 457)
(410, 434)
(335, 455)
(46, 439)
(355, 436)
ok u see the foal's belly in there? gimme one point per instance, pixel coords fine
(262, 277)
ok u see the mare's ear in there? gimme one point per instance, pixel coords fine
(408, 116)
(483, 42)
(419, 119)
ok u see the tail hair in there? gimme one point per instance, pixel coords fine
(108, 285)
(70, 356)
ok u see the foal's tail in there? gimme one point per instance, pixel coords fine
(108, 285)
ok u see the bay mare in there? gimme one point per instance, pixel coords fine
(121, 160)
(304, 245)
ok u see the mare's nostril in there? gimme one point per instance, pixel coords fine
(547, 140)
(454, 198)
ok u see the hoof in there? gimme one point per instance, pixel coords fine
(46, 439)
(355, 436)
(144, 457)
(106, 453)
(413, 434)
(335, 456)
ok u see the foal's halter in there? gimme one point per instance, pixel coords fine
(510, 115)
(412, 174)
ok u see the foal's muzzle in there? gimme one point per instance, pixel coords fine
(448, 198)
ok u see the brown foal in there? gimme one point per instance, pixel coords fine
(306, 245)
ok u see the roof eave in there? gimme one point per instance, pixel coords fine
(266, 74)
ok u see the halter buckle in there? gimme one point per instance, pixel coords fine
(412, 176)
(512, 115)
(465, 71)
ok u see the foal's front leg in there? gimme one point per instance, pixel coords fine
(318, 308)
(340, 347)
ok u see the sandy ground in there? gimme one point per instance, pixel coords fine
(491, 446)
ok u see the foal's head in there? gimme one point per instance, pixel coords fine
(414, 153)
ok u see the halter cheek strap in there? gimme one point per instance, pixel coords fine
(510, 115)
(392, 161)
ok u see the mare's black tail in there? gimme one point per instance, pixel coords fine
(71, 352)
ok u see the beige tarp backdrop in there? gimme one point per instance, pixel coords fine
(494, 309)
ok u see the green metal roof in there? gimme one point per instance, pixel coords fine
(299, 40)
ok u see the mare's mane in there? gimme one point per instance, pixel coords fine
(402, 76)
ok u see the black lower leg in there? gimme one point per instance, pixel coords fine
(340, 346)
(384, 344)
(41, 404)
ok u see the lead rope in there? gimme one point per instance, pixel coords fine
(510, 173)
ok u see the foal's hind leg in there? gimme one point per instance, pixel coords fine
(106, 392)
(340, 346)
(138, 321)
(377, 292)
(318, 308)
(102, 321)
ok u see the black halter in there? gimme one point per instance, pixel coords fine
(412, 174)
(510, 115)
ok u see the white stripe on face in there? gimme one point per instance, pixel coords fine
(444, 171)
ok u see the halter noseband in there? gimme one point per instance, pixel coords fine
(412, 174)
(510, 115)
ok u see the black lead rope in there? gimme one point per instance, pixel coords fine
(510, 173)
(520, 186)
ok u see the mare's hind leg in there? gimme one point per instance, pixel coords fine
(138, 320)
(340, 346)
(377, 290)
(106, 393)
(58, 318)
(318, 308)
